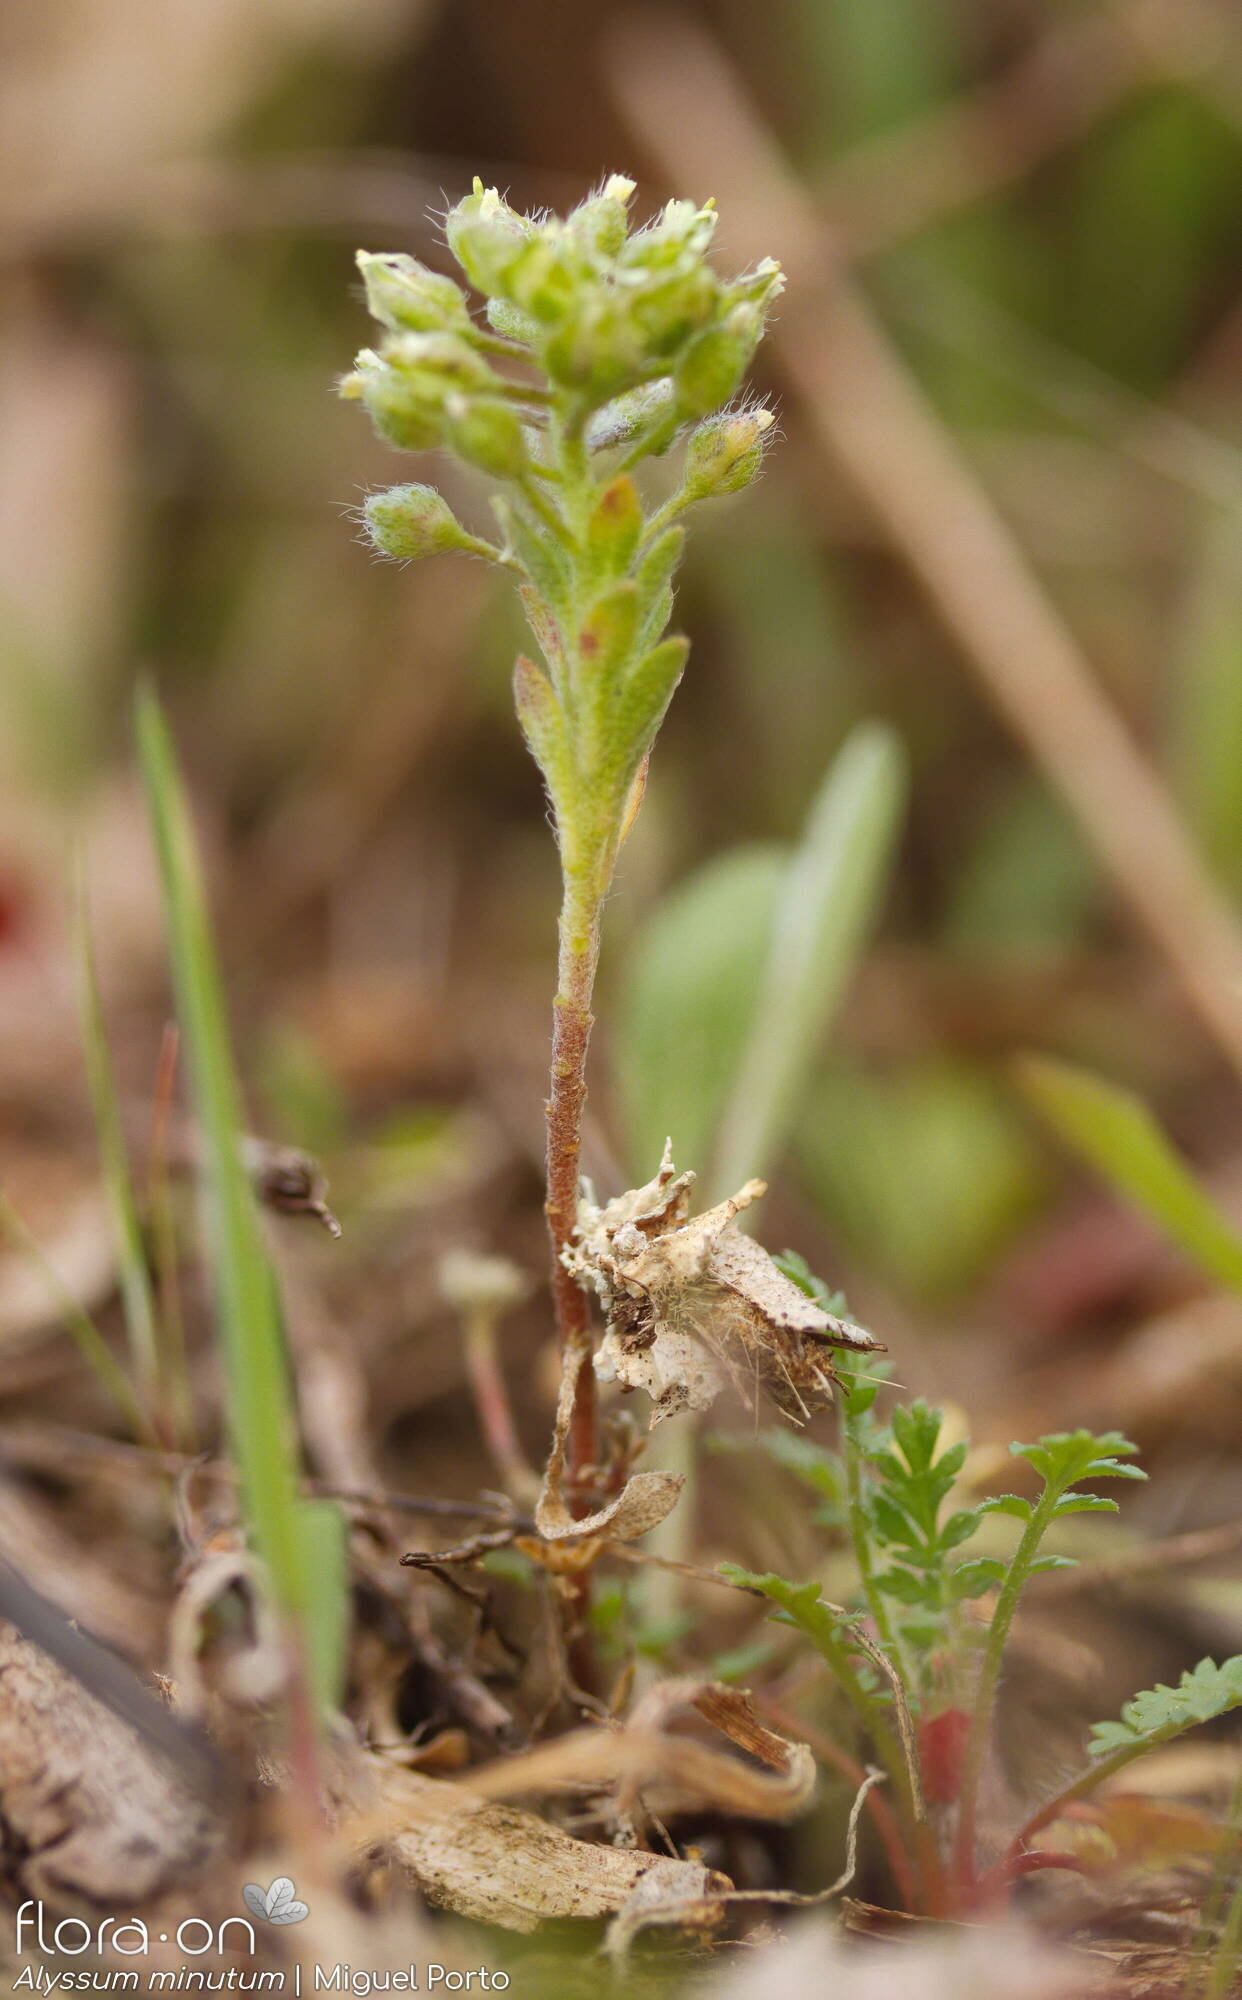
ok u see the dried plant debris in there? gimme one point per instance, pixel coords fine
(641, 1505)
(654, 1767)
(693, 1305)
(469, 1850)
(501, 1865)
(93, 1813)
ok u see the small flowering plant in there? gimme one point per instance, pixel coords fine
(600, 347)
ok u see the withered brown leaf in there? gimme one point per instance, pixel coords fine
(693, 1305)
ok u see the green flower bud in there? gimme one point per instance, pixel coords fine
(403, 418)
(598, 349)
(408, 522)
(622, 421)
(488, 434)
(671, 309)
(546, 276)
(505, 319)
(762, 286)
(725, 453)
(485, 235)
(601, 221)
(682, 233)
(404, 294)
(406, 384)
(709, 370)
(437, 363)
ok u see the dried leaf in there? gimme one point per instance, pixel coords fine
(644, 1757)
(640, 1506)
(693, 1305)
(1128, 1830)
(503, 1866)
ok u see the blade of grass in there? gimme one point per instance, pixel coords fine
(165, 1245)
(829, 898)
(90, 1342)
(307, 1583)
(1113, 1131)
(136, 1293)
(1205, 694)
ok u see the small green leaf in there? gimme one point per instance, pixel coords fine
(543, 725)
(540, 554)
(1007, 1503)
(1113, 1130)
(916, 1430)
(614, 528)
(1204, 1693)
(1083, 1503)
(607, 634)
(686, 1002)
(893, 1522)
(1064, 1457)
(638, 710)
(901, 1584)
(828, 900)
(972, 1579)
(958, 1529)
(819, 1469)
(799, 1272)
(740, 1662)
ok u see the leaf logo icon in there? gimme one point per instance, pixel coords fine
(276, 1905)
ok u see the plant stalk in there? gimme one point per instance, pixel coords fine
(989, 1679)
(572, 1021)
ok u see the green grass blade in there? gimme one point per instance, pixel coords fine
(1113, 1131)
(135, 1278)
(1205, 695)
(829, 897)
(90, 1342)
(324, 1572)
(261, 1409)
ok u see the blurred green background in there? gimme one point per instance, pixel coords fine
(1042, 200)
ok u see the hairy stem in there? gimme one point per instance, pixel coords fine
(861, 1539)
(989, 1679)
(571, 1035)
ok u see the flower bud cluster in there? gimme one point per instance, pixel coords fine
(630, 330)
(427, 389)
(602, 346)
(606, 309)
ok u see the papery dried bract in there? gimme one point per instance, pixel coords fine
(693, 1305)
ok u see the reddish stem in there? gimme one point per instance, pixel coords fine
(877, 1805)
(493, 1408)
(572, 1023)
(992, 1885)
(571, 1035)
